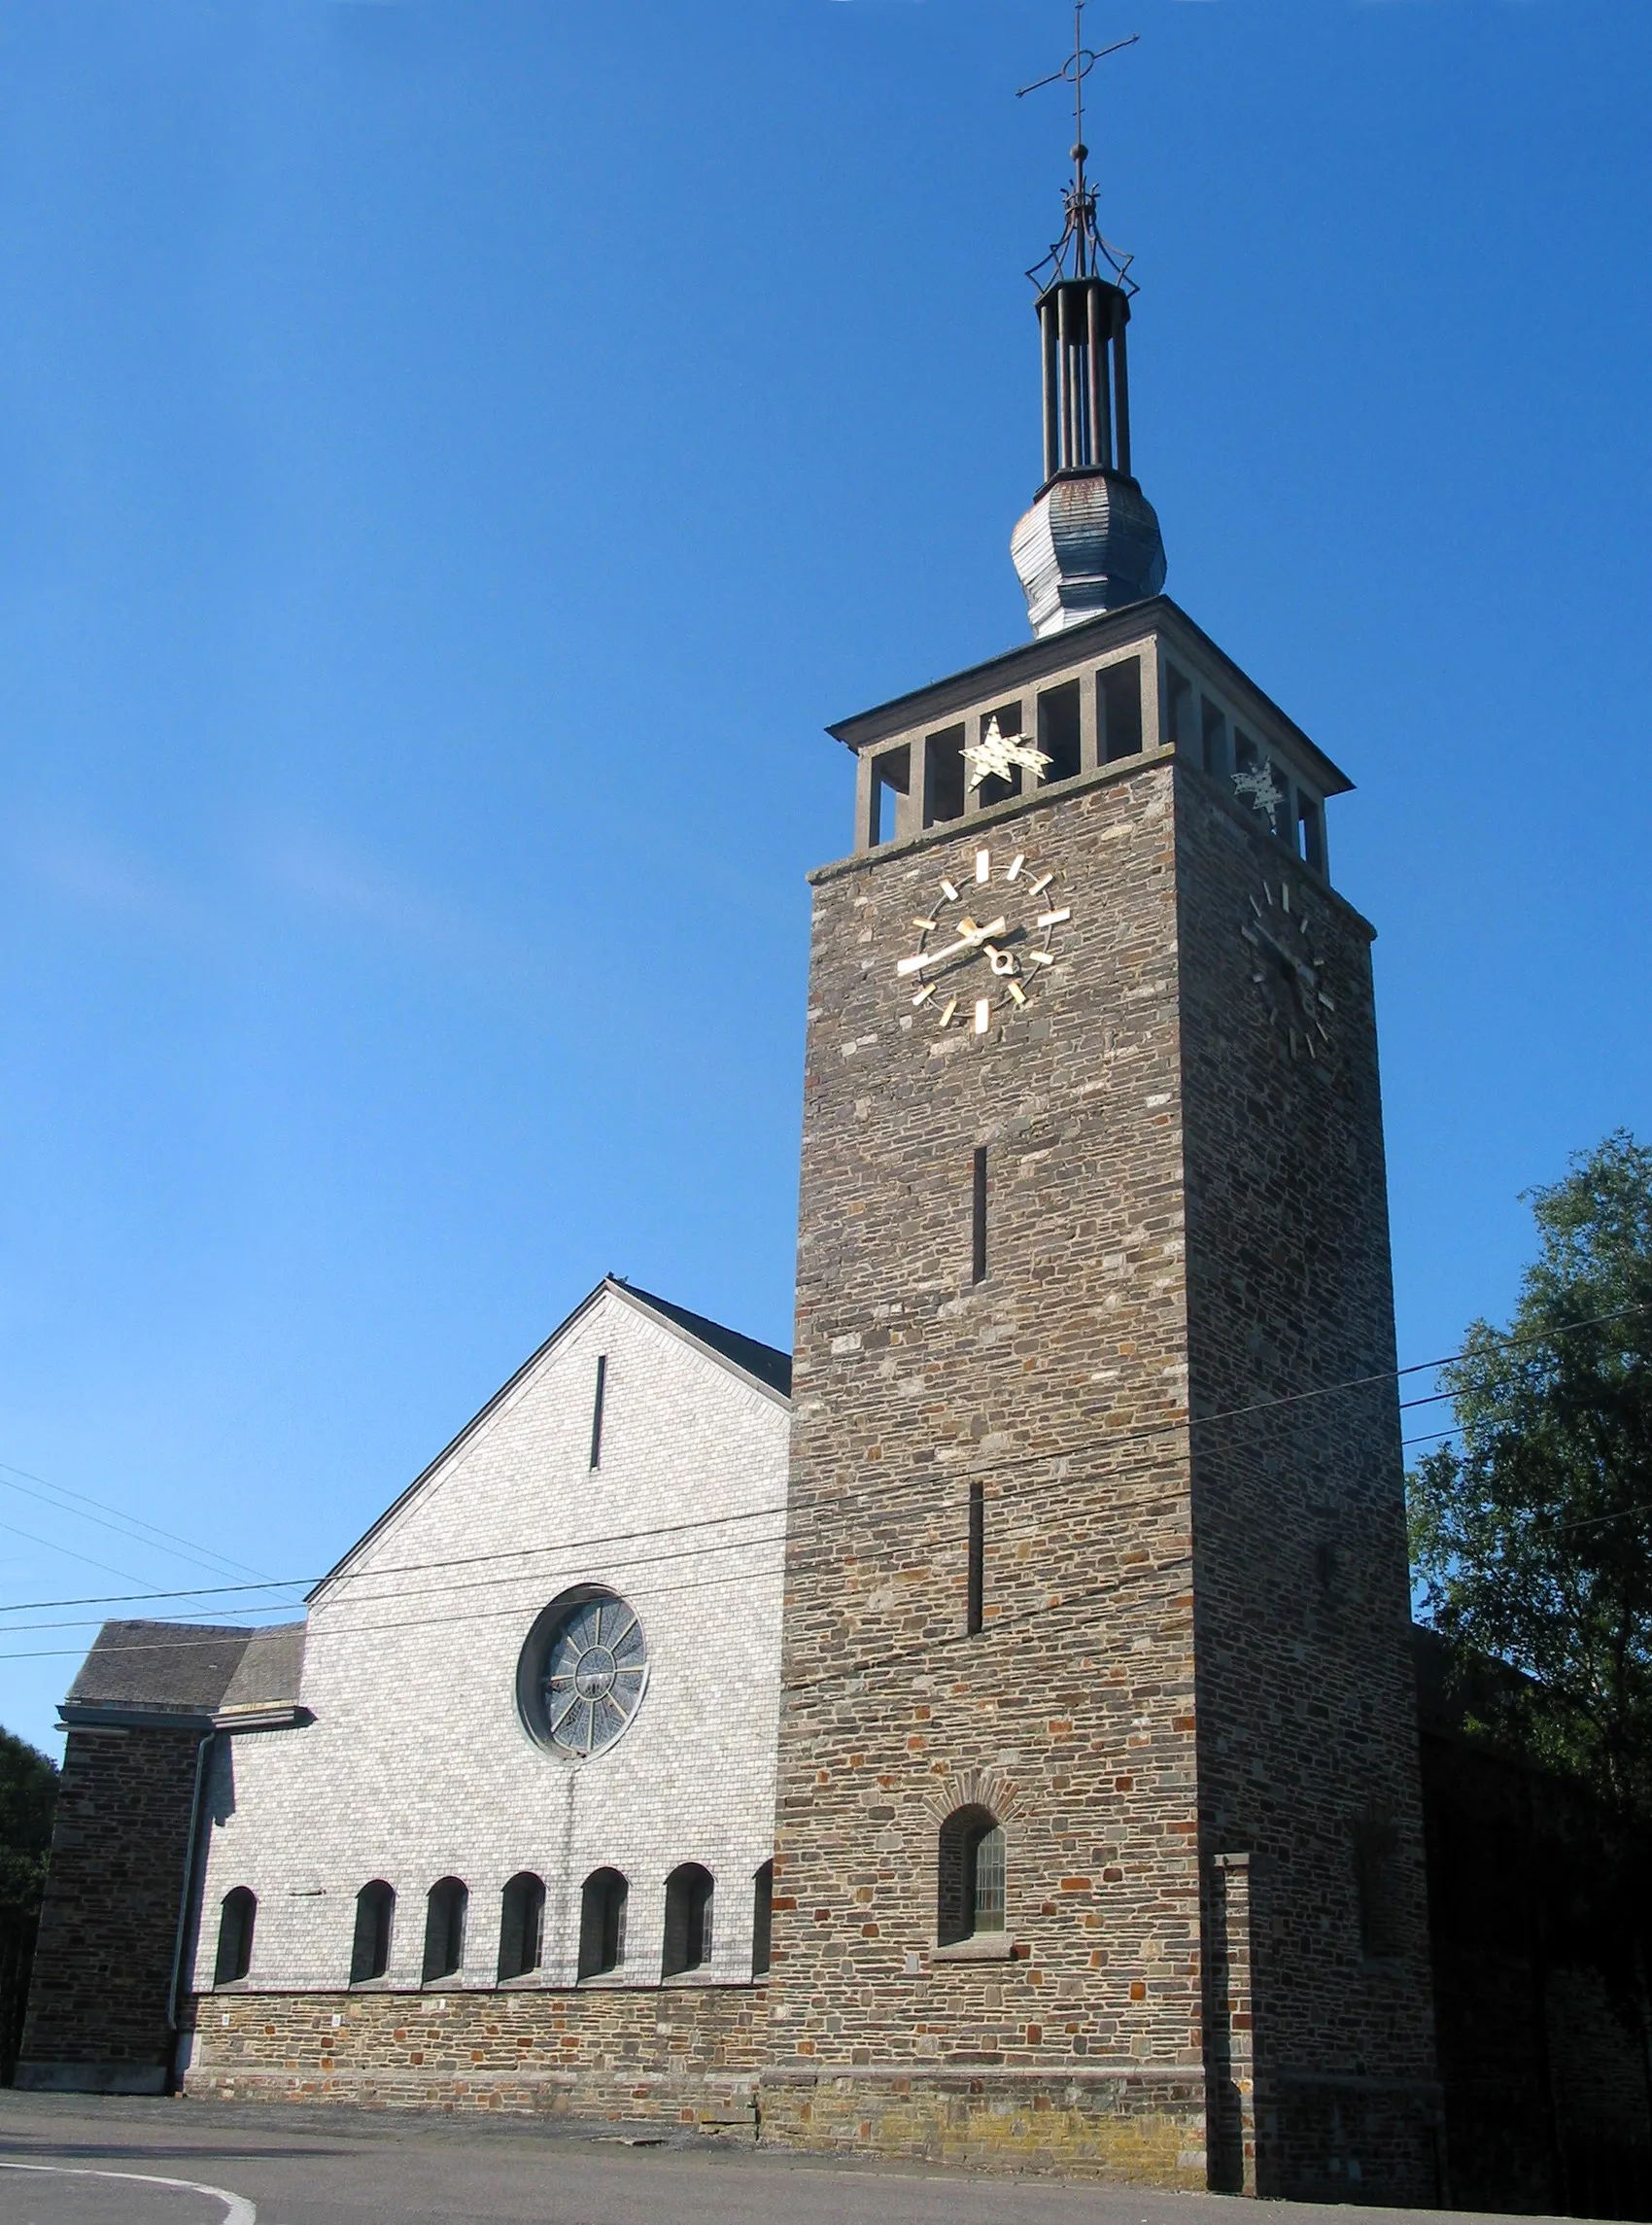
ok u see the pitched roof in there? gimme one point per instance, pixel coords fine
(164, 1668)
(763, 1361)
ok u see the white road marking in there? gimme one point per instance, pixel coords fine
(237, 2210)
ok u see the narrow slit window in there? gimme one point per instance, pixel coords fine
(891, 779)
(761, 1920)
(1214, 738)
(978, 1557)
(1181, 712)
(1376, 1885)
(944, 775)
(978, 1216)
(1118, 709)
(598, 1399)
(1058, 732)
(1310, 815)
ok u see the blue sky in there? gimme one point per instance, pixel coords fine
(455, 456)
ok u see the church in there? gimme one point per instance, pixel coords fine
(990, 1732)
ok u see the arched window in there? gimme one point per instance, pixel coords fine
(375, 1917)
(688, 1919)
(236, 1936)
(969, 1886)
(602, 1923)
(522, 1924)
(444, 1929)
(762, 1919)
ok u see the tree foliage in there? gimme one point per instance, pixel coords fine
(1531, 1539)
(28, 1800)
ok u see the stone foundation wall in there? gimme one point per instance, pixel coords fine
(679, 2055)
(1143, 2126)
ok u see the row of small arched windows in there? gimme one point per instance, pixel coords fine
(603, 1899)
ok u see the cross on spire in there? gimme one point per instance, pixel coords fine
(1078, 198)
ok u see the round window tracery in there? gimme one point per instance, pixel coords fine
(582, 1674)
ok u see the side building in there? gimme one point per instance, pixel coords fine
(517, 1764)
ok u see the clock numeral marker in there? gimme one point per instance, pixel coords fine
(1056, 919)
(924, 995)
(948, 892)
(1329, 1003)
(983, 865)
(947, 1011)
(1037, 887)
(983, 1014)
(928, 925)
(1015, 872)
(1040, 958)
(1017, 992)
(1284, 896)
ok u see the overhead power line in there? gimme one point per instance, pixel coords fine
(923, 1482)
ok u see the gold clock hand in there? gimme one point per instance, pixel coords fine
(971, 940)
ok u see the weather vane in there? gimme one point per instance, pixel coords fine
(1078, 198)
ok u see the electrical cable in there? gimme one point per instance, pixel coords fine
(924, 1482)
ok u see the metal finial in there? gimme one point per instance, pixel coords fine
(1081, 233)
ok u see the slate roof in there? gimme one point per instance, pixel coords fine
(760, 1360)
(268, 1673)
(186, 1669)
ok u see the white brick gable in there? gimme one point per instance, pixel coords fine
(417, 1765)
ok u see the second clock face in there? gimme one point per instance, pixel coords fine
(984, 946)
(1288, 967)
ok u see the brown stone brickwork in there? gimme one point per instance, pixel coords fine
(1059, 1382)
(685, 2055)
(103, 1966)
(1194, 1643)
(1308, 1755)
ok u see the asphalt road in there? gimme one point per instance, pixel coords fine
(94, 2161)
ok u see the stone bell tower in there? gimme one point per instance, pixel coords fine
(1099, 1831)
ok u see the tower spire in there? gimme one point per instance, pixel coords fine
(1090, 541)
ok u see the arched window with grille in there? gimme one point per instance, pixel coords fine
(602, 1923)
(444, 1929)
(236, 1936)
(522, 1925)
(376, 1920)
(688, 1919)
(762, 1919)
(969, 1899)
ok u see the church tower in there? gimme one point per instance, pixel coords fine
(1099, 1834)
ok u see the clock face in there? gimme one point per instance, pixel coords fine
(985, 946)
(1289, 969)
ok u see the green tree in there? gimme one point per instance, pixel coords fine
(28, 1800)
(1531, 1540)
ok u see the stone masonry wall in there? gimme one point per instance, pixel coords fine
(681, 2054)
(103, 1966)
(1307, 1719)
(1055, 1383)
